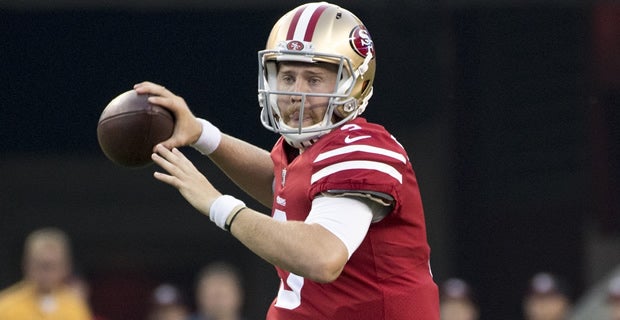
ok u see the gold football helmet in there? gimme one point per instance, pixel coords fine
(313, 33)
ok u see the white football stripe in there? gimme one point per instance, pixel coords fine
(279, 215)
(362, 148)
(304, 20)
(357, 164)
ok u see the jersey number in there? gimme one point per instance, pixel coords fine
(288, 299)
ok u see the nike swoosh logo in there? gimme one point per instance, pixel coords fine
(348, 139)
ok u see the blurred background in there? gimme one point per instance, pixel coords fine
(509, 109)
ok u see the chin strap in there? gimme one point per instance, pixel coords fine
(301, 145)
(364, 66)
(364, 103)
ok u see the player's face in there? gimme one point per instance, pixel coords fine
(305, 78)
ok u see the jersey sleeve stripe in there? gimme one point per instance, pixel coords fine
(357, 165)
(358, 148)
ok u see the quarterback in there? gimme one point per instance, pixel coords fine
(346, 231)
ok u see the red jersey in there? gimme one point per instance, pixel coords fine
(388, 276)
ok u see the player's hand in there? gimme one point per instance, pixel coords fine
(187, 129)
(183, 175)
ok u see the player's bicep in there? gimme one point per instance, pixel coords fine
(380, 203)
(347, 218)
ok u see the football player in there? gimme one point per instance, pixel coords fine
(346, 231)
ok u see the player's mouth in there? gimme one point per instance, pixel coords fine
(294, 119)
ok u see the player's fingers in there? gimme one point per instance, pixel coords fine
(161, 101)
(167, 161)
(175, 103)
(173, 161)
(148, 87)
(181, 158)
(170, 143)
(184, 164)
(162, 162)
(173, 155)
(165, 102)
(166, 153)
(175, 176)
(168, 179)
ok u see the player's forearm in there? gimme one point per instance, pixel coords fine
(308, 250)
(250, 167)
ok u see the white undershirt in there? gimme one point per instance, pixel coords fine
(348, 218)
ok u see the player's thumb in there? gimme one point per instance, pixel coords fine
(186, 132)
(176, 140)
(170, 143)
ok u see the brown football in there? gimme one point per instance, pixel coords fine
(129, 127)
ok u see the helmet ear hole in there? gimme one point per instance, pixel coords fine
(344, 110)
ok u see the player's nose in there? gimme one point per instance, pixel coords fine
(301, 85)
(298, 89)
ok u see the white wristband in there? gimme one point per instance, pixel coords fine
(209, 139)
(223, 207)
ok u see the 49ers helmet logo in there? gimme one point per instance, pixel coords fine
(295, 45)
(361, 42)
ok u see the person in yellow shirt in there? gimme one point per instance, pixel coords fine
(44, 294)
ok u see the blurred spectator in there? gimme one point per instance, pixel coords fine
(547, 298)
(613, 298)
(168, 304)
(219, 293)
(457, 301)
(44, 293)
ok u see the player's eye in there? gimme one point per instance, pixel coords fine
(287, 79)
(315, 80)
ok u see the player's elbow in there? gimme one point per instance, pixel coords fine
(325, 257)
(328, 268)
